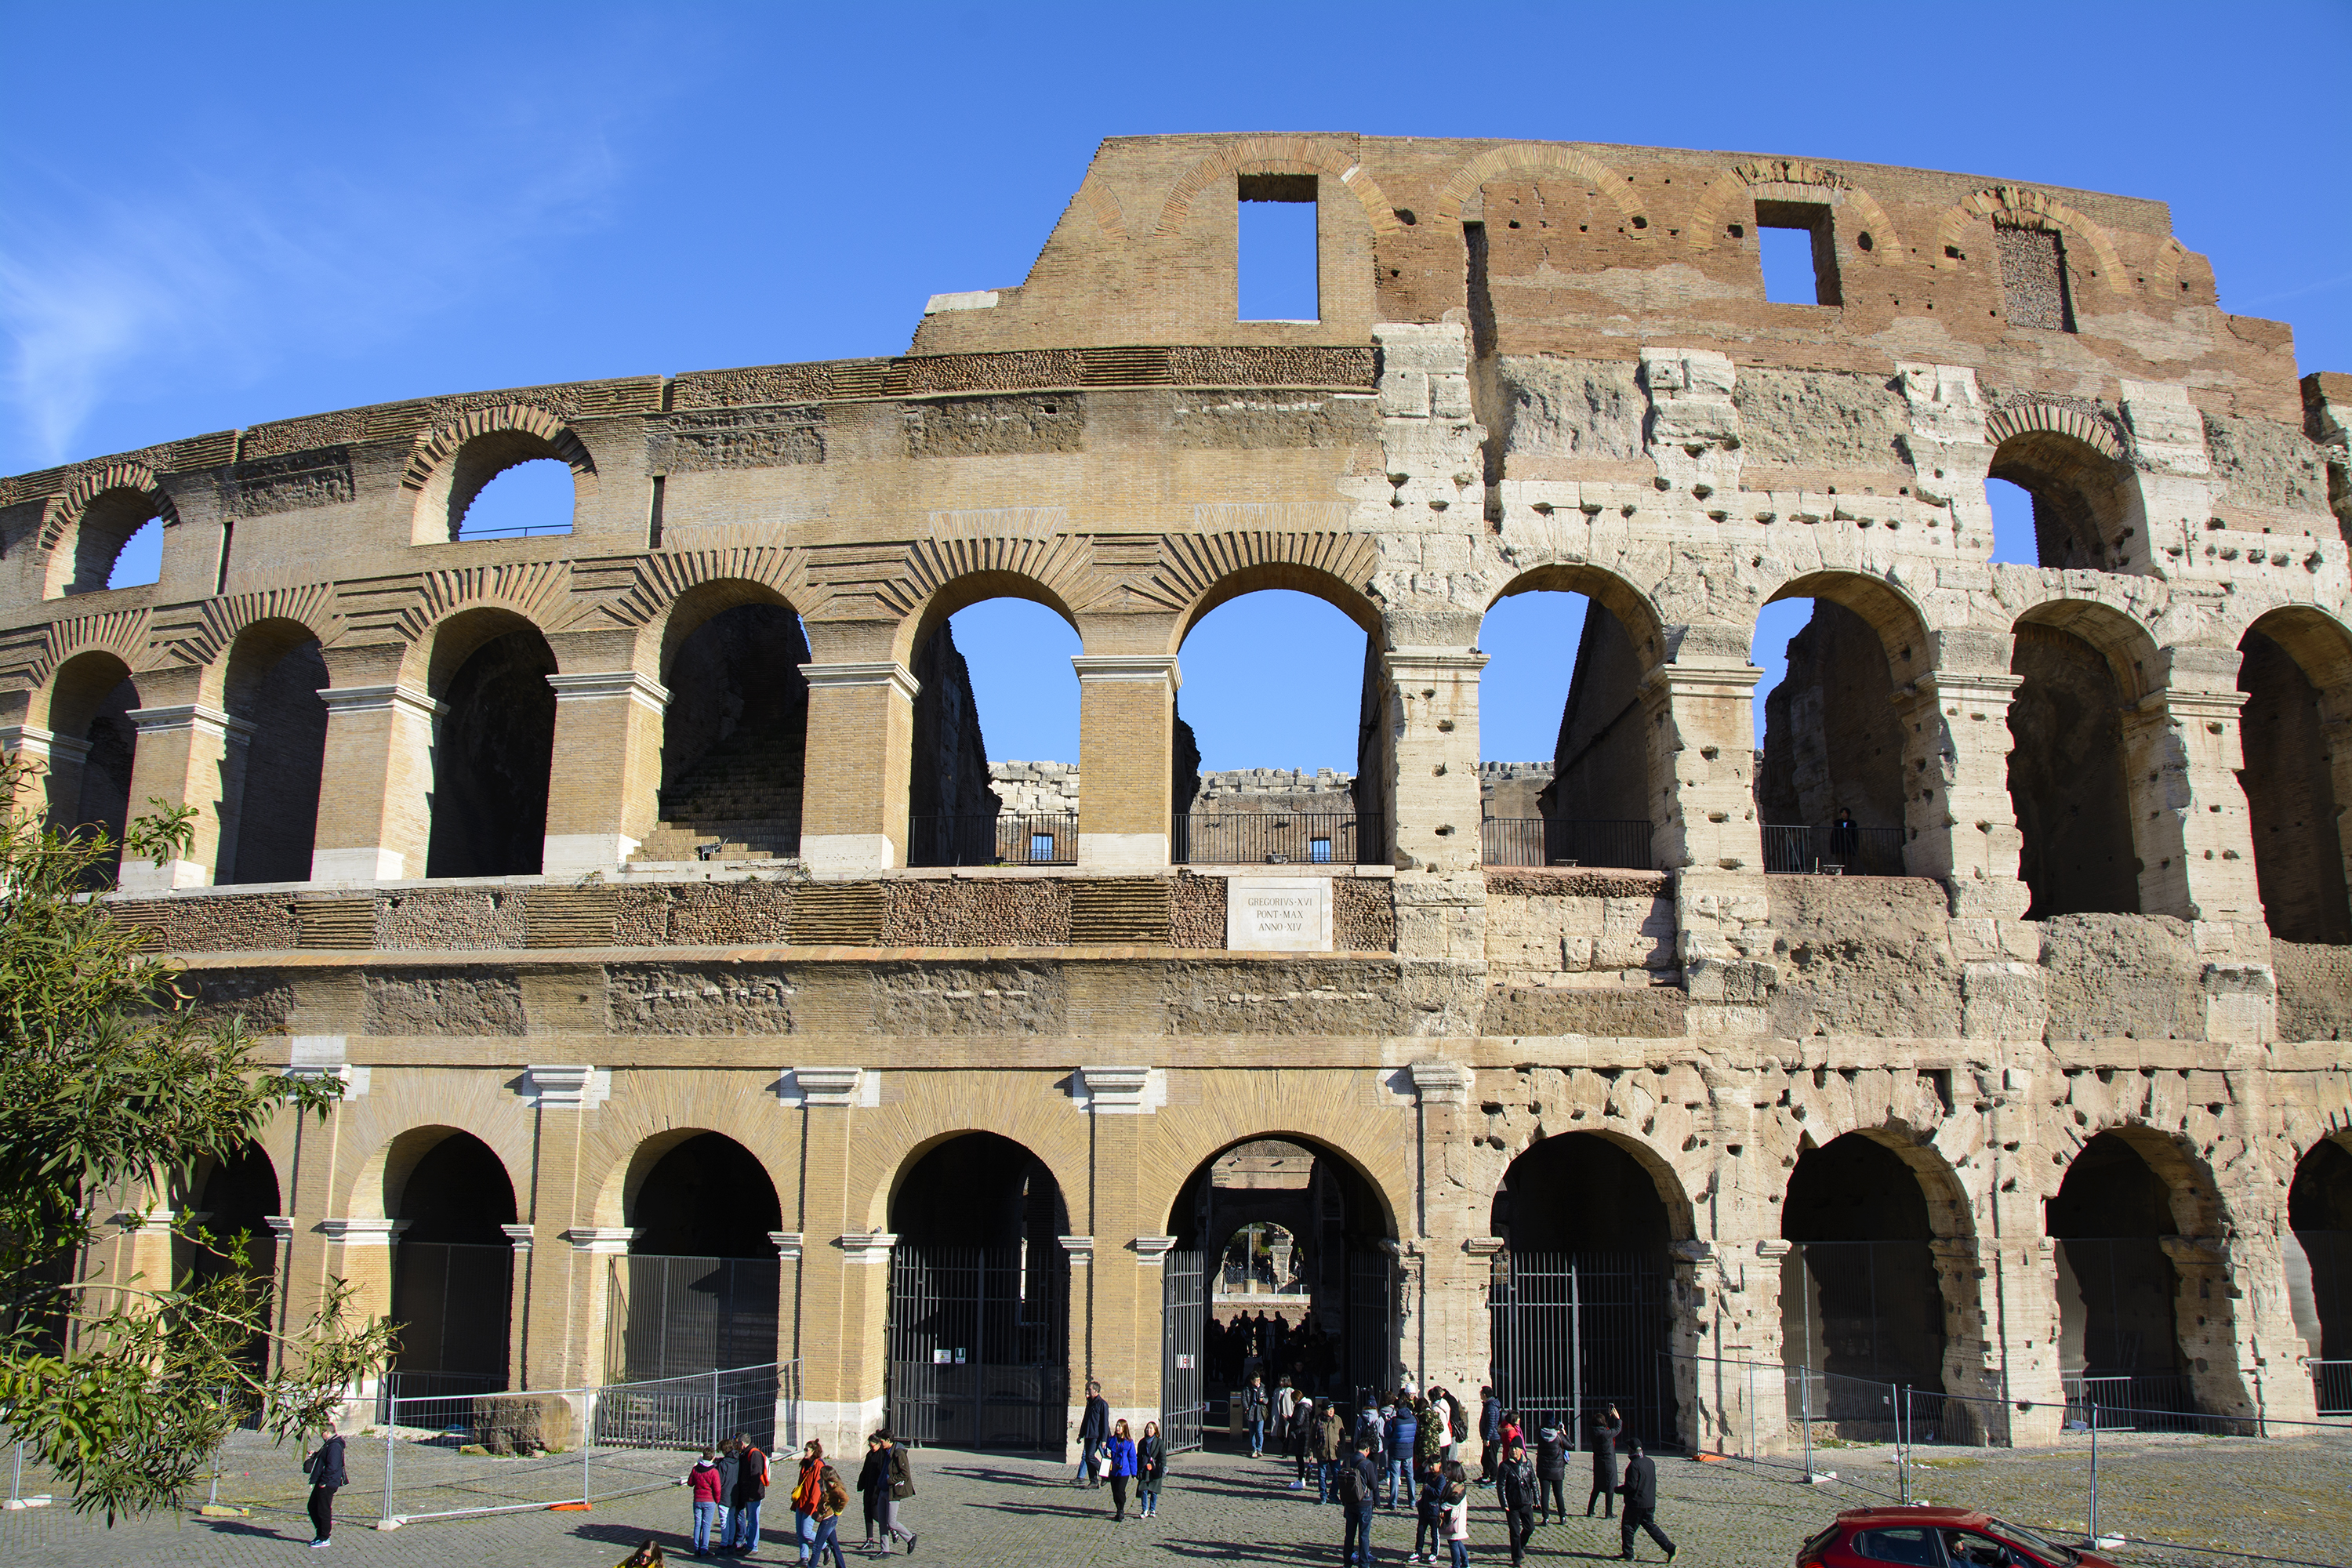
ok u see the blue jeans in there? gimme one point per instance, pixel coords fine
(1356, 1545)
(1461, 1554)
(708, 1520)
(743, 1524)
(1323, 1468)
(813, 1548)
(1400, 1480)
(1086, 1462)
(1257, 1435)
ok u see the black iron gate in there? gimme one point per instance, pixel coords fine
(1371, 1323)
(1183, 1391)
(674, 1316)
(1575, 1333)
(979, 1346)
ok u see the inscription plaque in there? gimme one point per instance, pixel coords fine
(1278, 914)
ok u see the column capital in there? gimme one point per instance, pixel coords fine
(1081, 1248)
(1421, 657)
(1153, 1249)
(29, 740)
(611, 1241)
(787, 1244)
(1115, 1091)
(872, 672)
(1141, 666)
(1441, 1082)
(866, 1246)
(281, 1225)
(566, 1086)
(361, 1232)
(604, 685)
(192, 716)
(1484, 1246)
(1981, 684)
(518, 1237)
(2192, 703)
(833, 1086)
(379, 700)
(1700, 680)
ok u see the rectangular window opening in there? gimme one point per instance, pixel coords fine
(654, 515)
(1319, 851)
(1797, 242)
(1277, 266)
(1040, 847)
(2034, 277)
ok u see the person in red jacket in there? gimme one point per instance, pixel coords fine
(709, 1493)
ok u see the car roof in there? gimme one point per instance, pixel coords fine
(1920, 1513)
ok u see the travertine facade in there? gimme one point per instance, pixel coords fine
(1536, 367)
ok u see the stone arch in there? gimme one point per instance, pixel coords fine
(453, 460)
(966, 588)
(1031, 1109)
(125, 634)
(269, 680)
(1196, 573)
(2127, 644)
(85, 528)
(376, 1185)
(1261, 576)
(2072, 462)
(1604, 587)
(2075, 785)
(220, 622)
(2198, 1204)
(494, 749)
(2318, 1248)
(84, 706)
(911, 1155)
(2296, 668)
(734, 745)
(1673, 1192)
(1278, 155)
(1538, 158)
(1792, 180)
(694, 591)
(2024, 208)
(1102, 205)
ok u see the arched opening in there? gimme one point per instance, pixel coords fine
(118, 543)
(2118, 1336)
(697, 1292)
(1829, 783)
(2319, 1269)
(1582, 1294)
(1587, 802)
(532, 496)
(235, 1200)
(2296, 668)
(1861, 1306)
(492, 752)
(1008, 657)
(734, 739)
(1277, 758)
(277, 753)
(2067, 779)
(91, 702)
(2082, 499)
(453, 1272)
(1324, 1314)
(980, 1292)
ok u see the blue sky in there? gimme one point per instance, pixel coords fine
(216, 216)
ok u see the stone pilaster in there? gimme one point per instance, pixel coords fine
(55, 787)
(1127, 734)
(519, 1238)
(1126, 1328)
(189, 753)
(1451, 1342)
(1700, 718)
(844, 1268)
(602, 798)
(1956, 718)
(375, 814)
(2190, 826)
(861, 732)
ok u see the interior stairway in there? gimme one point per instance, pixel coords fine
(741, 802)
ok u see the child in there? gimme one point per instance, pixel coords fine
(1456, 1505)
(1428, 1516)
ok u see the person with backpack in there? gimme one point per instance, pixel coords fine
(1457, 1425)
(709, 1510)
(1515, 1489)
(1352, 1486)
(1122, 1469)
(1152, 1468)
(324, 1465)
(1403, 1430)
(830, 1497)
(750, 1491)
(1254, 1405)
(1295, 1435)
(730, 1474)
(1551, 1473)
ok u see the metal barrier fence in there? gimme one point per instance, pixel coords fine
(2081, 1470)
(1542, 841)
(1832, 851)
(1278, 837)
(2331, 1386)
(1002, 838)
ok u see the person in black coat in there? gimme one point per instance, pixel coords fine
(1553, 1445)
(1641, 1490)
(1606, 1427)
(1094, 1431)
(325, 1468)
(1515, 1489)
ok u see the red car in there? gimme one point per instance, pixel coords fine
(1935, 1538)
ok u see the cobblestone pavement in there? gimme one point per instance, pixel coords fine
(2290, 1497)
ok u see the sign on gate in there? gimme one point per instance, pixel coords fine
(979, 1346)
(1183, 1402)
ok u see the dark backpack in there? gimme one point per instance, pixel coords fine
(1350, 1485)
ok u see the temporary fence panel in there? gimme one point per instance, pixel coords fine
(1575, 1333)
(979, 1346)
(668, 1316)
(1369, 1321)
(1184, 1400)
(2129, 1338)
(1872, 1318)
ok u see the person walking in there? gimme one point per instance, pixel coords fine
(1254, 1405)
(1515, 1489)
(1295, 1436)
(830, 1498)
(1551, 1473)
(702, 1485)
(1455, 1504)
(808, 1497)
(1606, 1427)
(1094, 1431)
(1403, 1432)
(1490, 1435)
(1355, 1488)
(750, 1491)
(874, 1486)
(1457, 1425)
(1152, 1468)
(324, 1465)
(1641, 1490)
(898, 1485)
(1122, 1469)
(1329, 1442)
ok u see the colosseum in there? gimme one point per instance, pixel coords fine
(691, 972)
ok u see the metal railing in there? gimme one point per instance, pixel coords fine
(1574, 841)
(1833, 851)
(2331, 1386)
(1004, 838)
(1278, 837)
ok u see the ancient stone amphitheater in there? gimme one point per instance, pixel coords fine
(701, 1001)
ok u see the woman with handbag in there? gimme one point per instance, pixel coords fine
(1118, 1457)
(1151, 1465)
(325, 1468)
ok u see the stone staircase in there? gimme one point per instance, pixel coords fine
(741, 802)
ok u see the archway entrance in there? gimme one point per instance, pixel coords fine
(1861, 1307)
(2294, 683)
(490, 761)
(453, 1272)
(1582, 1299)
(1829, 787)
(1283, 1266)
(980, 1291)
(734, 739)
(2118, 1338)
(2066, 778)
(236, 1200)
(2319, 1219)
(698, 1291)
